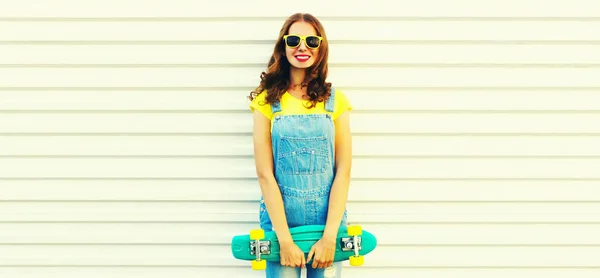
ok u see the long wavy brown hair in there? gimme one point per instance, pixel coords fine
(275, 81)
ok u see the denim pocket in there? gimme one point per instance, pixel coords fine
(302, 156)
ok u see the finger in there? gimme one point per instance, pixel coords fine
(329, 261)
(320, 261)
(322, 264)
(311, 253)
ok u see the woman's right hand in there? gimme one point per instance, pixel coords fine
(291, 255)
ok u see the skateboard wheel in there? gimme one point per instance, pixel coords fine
(259, 265)
(257, 234)
(354, 230)
(357, 261)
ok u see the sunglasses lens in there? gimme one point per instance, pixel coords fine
(312, 41)
(293, 41)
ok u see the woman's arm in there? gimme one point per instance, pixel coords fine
(343, 161)
(263, 158)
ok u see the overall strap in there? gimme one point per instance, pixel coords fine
(330, 104)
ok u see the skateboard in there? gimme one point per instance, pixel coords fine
(352, 244)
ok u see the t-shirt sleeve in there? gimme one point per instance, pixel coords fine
(259, 103)
(342, 104)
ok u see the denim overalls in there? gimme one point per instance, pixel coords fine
(303, 161)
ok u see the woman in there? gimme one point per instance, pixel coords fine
(302, 148)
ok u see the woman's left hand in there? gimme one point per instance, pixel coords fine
(323, 253)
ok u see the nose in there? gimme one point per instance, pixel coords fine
(302, 46)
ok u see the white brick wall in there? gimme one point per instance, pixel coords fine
(125, 136)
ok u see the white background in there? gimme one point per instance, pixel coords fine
(125, 135)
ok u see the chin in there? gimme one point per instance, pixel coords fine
(301, 66)
(298, 65)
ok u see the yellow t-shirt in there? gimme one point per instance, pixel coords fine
(292, 105)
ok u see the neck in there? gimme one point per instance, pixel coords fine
(297, 76)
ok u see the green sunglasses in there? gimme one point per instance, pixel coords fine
(312, 41)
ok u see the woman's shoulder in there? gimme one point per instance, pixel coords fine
(341, 103)
(260, 104)
(259, 98)
(340, 95)
(338, 92)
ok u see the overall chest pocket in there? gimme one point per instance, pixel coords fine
(303, 156)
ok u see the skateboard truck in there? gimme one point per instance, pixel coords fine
(354, 243)
(258, 247)
(264, 248)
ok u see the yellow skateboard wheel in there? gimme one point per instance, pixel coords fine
(257, 234)
(259, 265)
(354, 230)
(357, 261)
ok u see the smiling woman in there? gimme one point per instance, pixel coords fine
(299, 63)
(302, 148)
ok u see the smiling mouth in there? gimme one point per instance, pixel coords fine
(302, 57)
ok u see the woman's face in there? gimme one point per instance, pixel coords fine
(303, 52)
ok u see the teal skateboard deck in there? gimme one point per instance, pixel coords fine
(352, 243)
